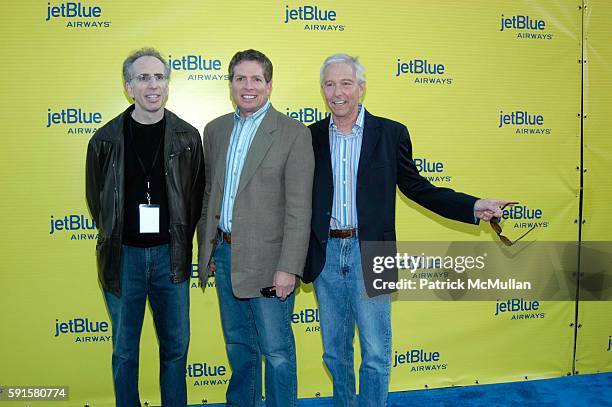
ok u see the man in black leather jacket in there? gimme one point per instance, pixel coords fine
(145, 181)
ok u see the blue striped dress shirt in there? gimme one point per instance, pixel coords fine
(242, 136)
(345, 152)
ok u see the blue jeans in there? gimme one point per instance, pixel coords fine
(254, 327)
(146, 272)
(343, 302)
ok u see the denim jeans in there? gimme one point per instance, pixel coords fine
(343, 302)
(254, 327)
(146, 272)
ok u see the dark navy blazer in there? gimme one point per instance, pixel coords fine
(385, 162)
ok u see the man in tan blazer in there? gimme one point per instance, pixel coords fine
(254, 231)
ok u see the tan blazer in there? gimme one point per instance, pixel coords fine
(272, 208)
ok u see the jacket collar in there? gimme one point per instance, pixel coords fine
(371, 136)
(266, 133)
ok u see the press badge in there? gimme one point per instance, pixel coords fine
(149, 218)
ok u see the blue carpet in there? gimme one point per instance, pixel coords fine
(584, 390)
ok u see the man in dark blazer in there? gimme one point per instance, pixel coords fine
(360, 159)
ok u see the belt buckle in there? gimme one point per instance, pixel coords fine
(222, 236)
(343, 233)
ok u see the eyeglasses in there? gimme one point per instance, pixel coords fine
(494, 222)
(146, 78)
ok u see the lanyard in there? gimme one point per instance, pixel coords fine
(146, 173)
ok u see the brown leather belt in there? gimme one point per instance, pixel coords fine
(342, 233)
(225, 236)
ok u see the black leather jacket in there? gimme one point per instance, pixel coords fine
(184, 169)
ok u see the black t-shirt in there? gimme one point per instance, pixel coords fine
(144, 140)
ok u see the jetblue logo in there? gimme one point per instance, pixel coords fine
(198, 67)
(77, 14)
(72, 10)
(523, 122)
(521, 23)
(307, 316)
(78, 227)
(423, 71)
(207, 374)
(519, 308)
(195, 278)
(419, 360)
(79, 121)
(524, 217)
(609, 343)
(83, 330)
(307, 115)
(314, 17)
(433, 171)
(528, 28)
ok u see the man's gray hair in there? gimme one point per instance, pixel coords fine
(344, 59)
(128, 64)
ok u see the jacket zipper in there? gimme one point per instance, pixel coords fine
(116, 195)
(170, 158)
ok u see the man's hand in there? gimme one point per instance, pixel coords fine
(212, 267)
(284, 284)
(486, 209)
